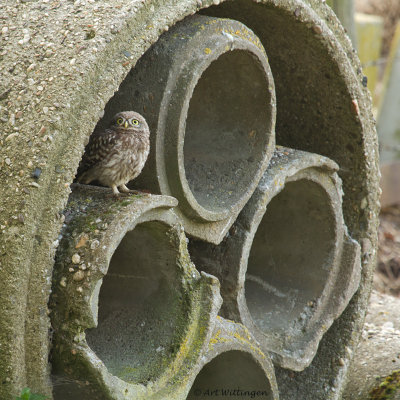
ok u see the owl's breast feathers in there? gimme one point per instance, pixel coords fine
(101, 145)
(114, 156)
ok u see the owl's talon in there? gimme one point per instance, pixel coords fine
(125, 189)
(115, 190)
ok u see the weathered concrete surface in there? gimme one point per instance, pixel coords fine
(62, 61)
(234, 367)
(378, 353)
(288, 267)
(130, 312)
(132, 317)
(207, 93)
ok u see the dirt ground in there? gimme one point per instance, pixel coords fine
(375, 371)
(387, 275)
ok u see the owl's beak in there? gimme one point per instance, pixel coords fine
(126, 124)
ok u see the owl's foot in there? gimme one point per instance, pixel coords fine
(115, 190)
(125, 189)
(122, 188)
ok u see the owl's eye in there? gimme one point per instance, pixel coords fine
(120, 121)
(135, 122)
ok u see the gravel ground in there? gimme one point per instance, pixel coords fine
(387, 276)
(378, 353)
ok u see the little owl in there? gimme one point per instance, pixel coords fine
(115, 156)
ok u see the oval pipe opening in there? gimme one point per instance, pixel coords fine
(225, 138)
(290, 258)
(140, 306)
(208, 95)
(231, 375)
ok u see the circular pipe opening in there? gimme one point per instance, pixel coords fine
(231, 375)
(140, 306)
(290, 257)
(225, 138)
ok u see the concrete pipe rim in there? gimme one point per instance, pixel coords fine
(133, 303)
(196, 70)
(283, 339)
(112, 331)
(234, 338)
(217, 377)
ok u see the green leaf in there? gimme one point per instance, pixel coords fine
(26, 394)
(38, 397)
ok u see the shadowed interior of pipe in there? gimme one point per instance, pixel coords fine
(231, 375)
(313, 112)
(65, 388)
(290, 257)
(225, 136)
(140, 306)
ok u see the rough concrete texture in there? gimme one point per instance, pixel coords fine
(129, 310)
(287, 267)
(378, 353)
(233, 366)
(207, 93)
(62, 62)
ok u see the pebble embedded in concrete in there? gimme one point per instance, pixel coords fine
(76, 258)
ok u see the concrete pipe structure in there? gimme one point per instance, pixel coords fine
(130, 313)
(207, 93)
(63, 62)
(234, 367)
(288, 267)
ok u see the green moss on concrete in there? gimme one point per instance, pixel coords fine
(192, 304)
(388, 388)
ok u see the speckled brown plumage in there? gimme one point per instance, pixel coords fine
(115, 156)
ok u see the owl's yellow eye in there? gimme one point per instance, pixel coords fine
(135, 122)
(120, 121)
